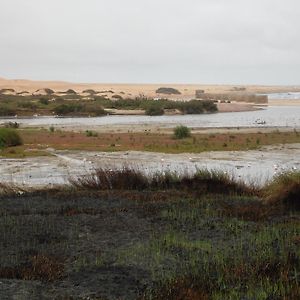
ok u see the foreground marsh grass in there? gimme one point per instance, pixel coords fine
(161, 237)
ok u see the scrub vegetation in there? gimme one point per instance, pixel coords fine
(9, 137)
(72, 104)
(182, 132)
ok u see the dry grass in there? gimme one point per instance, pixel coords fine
(35, 141)
(284, 190)
(107, 179)
(127, 178)
(38, 267)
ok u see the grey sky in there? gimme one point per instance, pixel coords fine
(179, 41)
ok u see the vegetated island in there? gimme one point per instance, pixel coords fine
(72, 104)
(34, 98)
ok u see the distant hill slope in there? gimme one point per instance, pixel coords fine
(134, 90)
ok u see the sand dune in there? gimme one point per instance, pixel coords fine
(133, 90)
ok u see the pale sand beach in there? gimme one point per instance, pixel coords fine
(284, 102)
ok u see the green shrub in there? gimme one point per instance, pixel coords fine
(9, 137)
(91, 133)
(154, 110)
(197, 107)
(209, 106)
(91, 109)
(65, 109)
(181, 132)
(187, 107)
(192, 107)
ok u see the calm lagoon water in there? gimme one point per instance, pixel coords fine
(259, 165)
(274, 116)
(286, 96)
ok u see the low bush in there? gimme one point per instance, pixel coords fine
(181, 132)
(9, 137)
(187, 107)
(154, 110)
(198, 107)
(65, 109)
(91, 133)
(91, 109)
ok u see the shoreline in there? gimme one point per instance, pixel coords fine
(61, 164)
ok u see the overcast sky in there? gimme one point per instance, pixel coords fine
(140, 41)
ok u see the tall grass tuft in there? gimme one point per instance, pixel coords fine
(284, 190)
(204, 181)
(108, 179)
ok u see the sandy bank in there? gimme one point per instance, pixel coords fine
(284, 102)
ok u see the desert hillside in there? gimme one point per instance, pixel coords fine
(132, 90)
